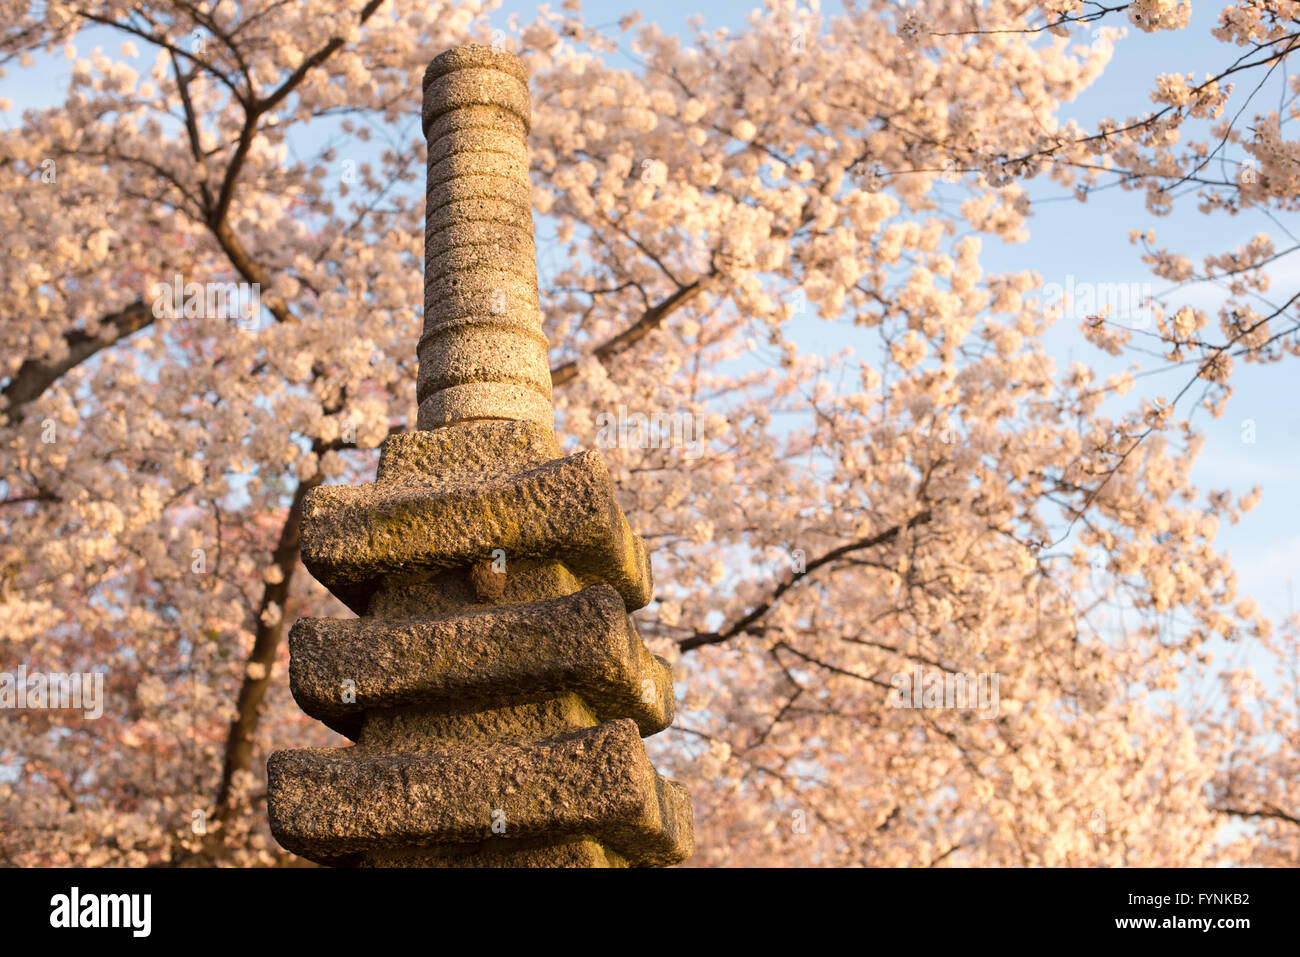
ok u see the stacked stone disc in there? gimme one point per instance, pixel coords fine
(494, 685)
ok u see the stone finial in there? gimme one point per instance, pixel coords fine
(495, 687)
(482, 354)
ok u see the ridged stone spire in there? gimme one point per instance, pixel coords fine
(483, 354)
(494, 685)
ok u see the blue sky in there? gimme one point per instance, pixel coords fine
(1088, 242)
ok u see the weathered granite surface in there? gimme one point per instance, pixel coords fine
(494, 686)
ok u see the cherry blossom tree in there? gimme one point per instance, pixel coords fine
(950, 503)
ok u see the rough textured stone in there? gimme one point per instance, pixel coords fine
(494, 685)
(353, 537)
(472, 234)
(485, 352)
(458, 590)
(484, 449)
(596, 782)
(509, 166)
(482, 139)
(583, 642)
(579, 853)
(475, 86)
(456, 214)
(474, 55)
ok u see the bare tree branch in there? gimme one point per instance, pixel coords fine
(650, 320)
(745, 623)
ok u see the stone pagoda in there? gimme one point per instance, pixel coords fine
(494, 686)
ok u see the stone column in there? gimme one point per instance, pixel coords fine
(483, 354)
(494, 685)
